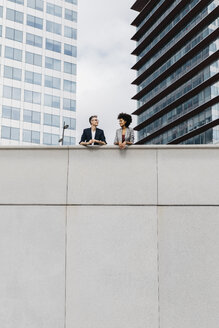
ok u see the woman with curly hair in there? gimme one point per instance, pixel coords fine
(124, 135)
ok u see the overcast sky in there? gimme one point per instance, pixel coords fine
(104, 73)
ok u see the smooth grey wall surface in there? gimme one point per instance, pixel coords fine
(109, 176)
(32, 270)
(100, 237)
(33, 176)
(189, 266)
(112, 251)
(188, 176)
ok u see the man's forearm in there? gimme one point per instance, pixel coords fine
(100, 142)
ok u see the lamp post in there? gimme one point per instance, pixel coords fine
(65, 126)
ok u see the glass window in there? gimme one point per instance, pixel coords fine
(32, 97)
(53, 63)
(71, 122)
(53, 9)
(15, 134)
(52, 82)
(36, 117)
(13, 53)
(51, 101)
(31, 136)
(53, 45)
(31, 116)
(53, 120)
(0, 30)
(1, 11)
(6, 111)
(69, 68)
(12, 113)
(69, 104)
(36, 137)
(16, 93)
(10, 133)
(15, 16)
(70, 32)
(20, 2)
(70, 50)
(69, 86)
(35, 21)
(13, 34)
(34, 78)
(6, 132)
(33, 59)
(69, 140)
(12, 73)
(28, 96)
(27, 116)
(74, 2)
(50, 139)
(11, 93)
(35, 4)
(34, 40)
(71, 15)
(53, 27)
(26, 135)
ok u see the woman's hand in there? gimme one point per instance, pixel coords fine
(122, 144)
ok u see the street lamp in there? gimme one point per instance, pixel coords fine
(65, 126)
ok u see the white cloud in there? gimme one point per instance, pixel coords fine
(104, 63)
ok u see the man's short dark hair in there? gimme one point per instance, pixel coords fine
(90, 118)
(125, 117)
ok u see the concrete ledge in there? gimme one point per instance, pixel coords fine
(188, 176)
(44, 147)
(33, 176)
(98, 237)
(139, 175)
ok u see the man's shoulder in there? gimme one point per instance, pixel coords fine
(99, 130)
(86, 130)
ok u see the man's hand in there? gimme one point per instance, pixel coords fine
(90, 142)
(99, 142)
(96, 141)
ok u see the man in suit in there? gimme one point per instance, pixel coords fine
(93, 135)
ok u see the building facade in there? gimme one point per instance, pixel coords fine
(177, 68)
(38, 54)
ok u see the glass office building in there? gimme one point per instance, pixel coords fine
(177, 50)
(37, 71)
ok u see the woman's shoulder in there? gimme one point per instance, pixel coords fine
(130, 129)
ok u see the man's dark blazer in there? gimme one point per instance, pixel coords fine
(87, 136)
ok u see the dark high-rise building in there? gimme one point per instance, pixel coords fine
(177, 68)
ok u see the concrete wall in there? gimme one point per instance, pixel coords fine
(103, 238)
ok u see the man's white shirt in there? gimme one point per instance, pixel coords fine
(93, 134)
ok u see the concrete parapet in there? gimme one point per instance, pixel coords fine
(98, 237)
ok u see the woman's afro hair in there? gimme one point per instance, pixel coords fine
(125, 117)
